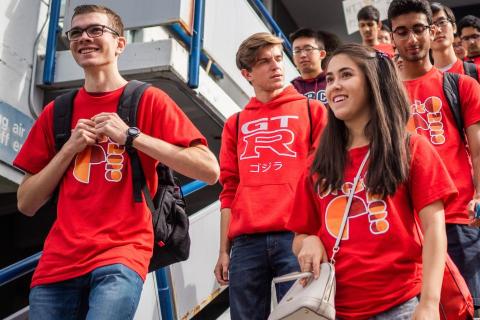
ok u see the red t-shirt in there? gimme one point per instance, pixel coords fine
(98, 223)
(385, 48)
(260, 168)
(433, 119)
(458, 68)
(380, 259)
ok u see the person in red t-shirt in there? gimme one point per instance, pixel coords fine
(97, 253)
(469, 31)
(308, 53)
(378, 267)
(460, 51)
(264, 150)
(433, 118)
(443, 53)
(369, 25)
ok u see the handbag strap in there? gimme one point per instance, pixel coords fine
(336, 248)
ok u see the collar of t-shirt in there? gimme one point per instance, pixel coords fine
(446, 68)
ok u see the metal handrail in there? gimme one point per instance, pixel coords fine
(22, 267)
(264, 12)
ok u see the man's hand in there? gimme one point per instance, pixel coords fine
(472, 205)
(221, 268)
(83, 135)
(110, 125)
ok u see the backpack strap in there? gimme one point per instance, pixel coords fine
(310, 121)
(62, 118)
(450, 89)
(127, 110)
(471, 70)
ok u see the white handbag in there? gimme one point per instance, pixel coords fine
(315, 301)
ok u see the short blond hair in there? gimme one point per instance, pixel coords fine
(248, 50)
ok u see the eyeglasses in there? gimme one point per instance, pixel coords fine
(474, 36)
(442, 23)
(403, 33)
(306, 49)
(93, 31)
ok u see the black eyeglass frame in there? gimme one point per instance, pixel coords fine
(308, 49)
(417, 33)
(82, 30)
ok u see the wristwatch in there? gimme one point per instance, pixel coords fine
(132, 133)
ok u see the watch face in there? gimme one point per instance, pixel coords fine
(133, 131)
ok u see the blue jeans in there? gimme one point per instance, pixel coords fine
(109, 292)
(464, 249)
(255, 260)
(403, 311)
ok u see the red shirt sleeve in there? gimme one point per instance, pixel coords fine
(159, 116)
(429, 179)
(305, 216)
(229, 177)
(469, 91)
(39, 147)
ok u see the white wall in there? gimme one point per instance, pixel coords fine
(19, 23)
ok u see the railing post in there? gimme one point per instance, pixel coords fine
(263, 10)
(196, 46)
(49, 66)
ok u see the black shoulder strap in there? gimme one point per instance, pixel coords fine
(62, 118)
(450, 88)
(310, 121)
(237, 121)
(471, 70)
(127, 110)
(128, 104)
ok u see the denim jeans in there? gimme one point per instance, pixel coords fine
(255, 260)
(464, 249)
(109, 292)
(403, 311)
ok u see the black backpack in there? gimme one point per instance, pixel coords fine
(450, 89)
(169, 220)
(471, 70)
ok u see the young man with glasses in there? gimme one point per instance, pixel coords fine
(460, 51)
(369, 25)
(469, 31)
(264, 150)
(308, 53)
(443, 53)
(413, 32)
(97, 253)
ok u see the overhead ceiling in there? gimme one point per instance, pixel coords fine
(328, 14)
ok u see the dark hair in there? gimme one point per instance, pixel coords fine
(468, 21)
(385, 27)
(437, 7)
(401, 7)
(308, 33)
(368, 13)
(389, 109)
(331, 42)
(114, 18)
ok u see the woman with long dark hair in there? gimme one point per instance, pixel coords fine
(379, 262)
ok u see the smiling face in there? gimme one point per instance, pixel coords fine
(414, 46)
(95, 52)
(267, 72)
(444, 31)
(347, 90)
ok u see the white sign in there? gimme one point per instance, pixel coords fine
(351, 8)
